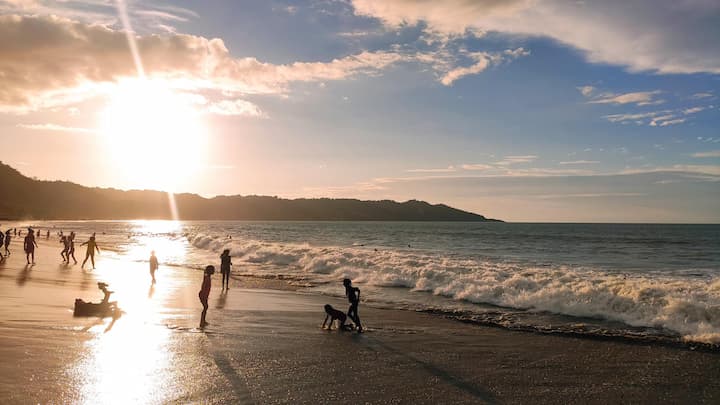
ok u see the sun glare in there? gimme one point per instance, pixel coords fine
(154, 135)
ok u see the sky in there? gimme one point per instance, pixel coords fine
(523, 110)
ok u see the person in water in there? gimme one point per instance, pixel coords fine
(66, 248)
(225, 264)
(153, 265)
(71, 248)
(90, 254)
(353, 296)
(7, 242)
(204, 293)
(30, 244)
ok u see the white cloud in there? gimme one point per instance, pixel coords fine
(698, 96)
(671, 122)
(448, 169)
(627, 33)
(512, 160)
(693, 110)
(580, 162)
(55, 127)
(708, 154)
(477, 166)
(586, 90)
(638, 98)
(235, 107)
(50, 61)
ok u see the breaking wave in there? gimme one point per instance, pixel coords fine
(688, 307)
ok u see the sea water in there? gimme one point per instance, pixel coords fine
(641, 280)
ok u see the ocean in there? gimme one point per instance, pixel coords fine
(642, 281)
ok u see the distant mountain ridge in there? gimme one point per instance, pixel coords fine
(25, 198)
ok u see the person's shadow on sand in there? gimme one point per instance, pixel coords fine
(222, 300)
(24, 275)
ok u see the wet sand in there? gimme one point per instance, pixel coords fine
(266, 346)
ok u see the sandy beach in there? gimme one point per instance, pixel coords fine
(264, 345)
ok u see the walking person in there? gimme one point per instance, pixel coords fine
(90, 254)
(204, 294)
(153, 265)
(225, 264)
(8, 237)
(29, 245)
(66, 248)
(71, 248)
(353, 296)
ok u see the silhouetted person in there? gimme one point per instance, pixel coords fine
(29, 246)
(204, 294)
(47, 235)
(90, 253)
(332, 314)
(353, 296)
(2, 241)
(66, 248)
(153, 265)
(8, 237)
(225, 264)
(71, 248)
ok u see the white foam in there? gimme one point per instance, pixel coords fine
(687, 306)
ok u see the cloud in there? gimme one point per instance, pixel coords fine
(698, 96)
(235, 107)
(448, 169)
(580, 162)
(638, 98)
(482, 61)
(55, 127)
(708, 154)
(660, 118)
(634, 34)
(693, 110)
(49, 61)
(477, 166)
(512, 160)
(586, 90)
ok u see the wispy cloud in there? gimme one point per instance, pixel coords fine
(516, 159)
(708, 154)
(660, 118)
(235, 107)
(56, 127)
(448, 169)
(640, 98)
(580, 162)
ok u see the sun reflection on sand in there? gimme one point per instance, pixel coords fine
(130, 360)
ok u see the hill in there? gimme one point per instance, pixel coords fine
(26, 198)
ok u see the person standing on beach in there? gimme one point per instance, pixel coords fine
(30, 245)
(225, 264)
(71, 248)
(2, 240)
(204, 294)
(7, 242)
(353, 296)
(66, 248)
(153, 265)
(90, 254)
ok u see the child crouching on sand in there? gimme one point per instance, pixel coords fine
(204, 293)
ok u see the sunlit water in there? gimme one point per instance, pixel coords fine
(644, 280)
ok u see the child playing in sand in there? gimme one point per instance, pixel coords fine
(204, 294)
(153, 265)
(353, 295)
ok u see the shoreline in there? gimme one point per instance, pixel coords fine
(266, 346)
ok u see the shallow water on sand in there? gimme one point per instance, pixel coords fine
(638, 280)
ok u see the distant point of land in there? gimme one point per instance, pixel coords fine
(26, 198)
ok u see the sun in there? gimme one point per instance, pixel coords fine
(154, 135)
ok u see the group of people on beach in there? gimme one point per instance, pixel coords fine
(352, 293)
(30, 244)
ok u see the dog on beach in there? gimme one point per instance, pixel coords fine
(332, 315)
